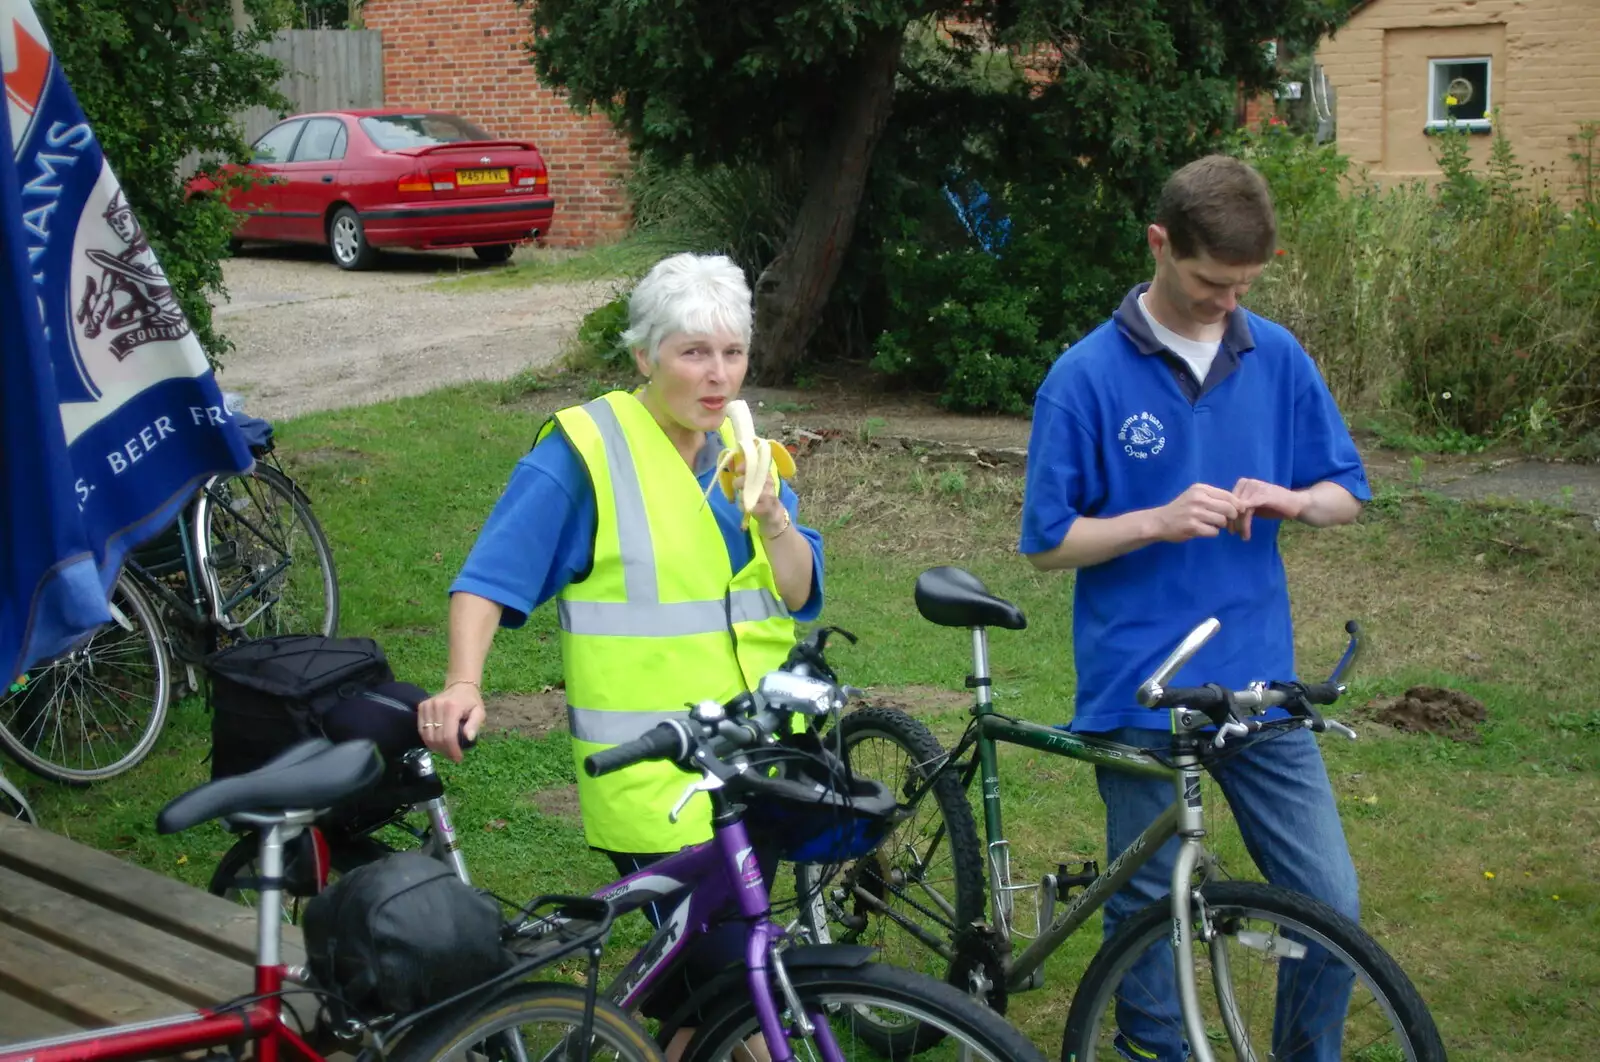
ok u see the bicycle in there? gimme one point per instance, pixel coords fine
(714, 877)
(805, 805)
(225, 569)
(980, 955)
(279, 800)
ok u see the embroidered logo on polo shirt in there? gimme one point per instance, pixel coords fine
(1142, 436)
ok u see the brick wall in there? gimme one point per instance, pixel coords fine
(1543, 78)
(467, 56)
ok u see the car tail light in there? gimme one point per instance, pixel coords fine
(528, 177)
(415, 182)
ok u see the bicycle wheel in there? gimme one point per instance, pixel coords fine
(929, 871)
(850, 998)
(1263, 937)
(13, 805)
(270, 561)
(96, 710)
(499, 1031)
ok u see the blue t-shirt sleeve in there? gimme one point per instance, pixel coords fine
(813, 606)
(539, 536)
(1064, 479)
(1323, 448)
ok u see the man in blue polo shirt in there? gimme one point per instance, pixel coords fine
(1167, 448)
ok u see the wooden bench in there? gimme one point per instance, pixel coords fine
(88, 940)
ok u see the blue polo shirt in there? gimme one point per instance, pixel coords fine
(540, 535)
(1121, 424)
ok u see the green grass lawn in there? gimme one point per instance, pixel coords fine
(1479, 860)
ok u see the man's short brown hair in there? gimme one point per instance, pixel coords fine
(1220, 206)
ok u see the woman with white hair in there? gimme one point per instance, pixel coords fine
(663, 598)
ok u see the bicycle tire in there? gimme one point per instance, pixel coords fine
(960, 837)
(150, 638)
(442, 1035)
(13, 805)
(874, 983)
(276, 483)
(1152, 925)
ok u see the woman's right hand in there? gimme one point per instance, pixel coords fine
(439, 718)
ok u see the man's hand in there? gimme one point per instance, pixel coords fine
(1269, 500)
(1202, 511)
(439, 718)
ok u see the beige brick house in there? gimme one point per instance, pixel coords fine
(1396, 65)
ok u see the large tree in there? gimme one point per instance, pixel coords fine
(807, 87)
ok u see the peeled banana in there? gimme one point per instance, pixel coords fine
(758, 459)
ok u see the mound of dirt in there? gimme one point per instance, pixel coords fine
(532, 714)
(1432, 710)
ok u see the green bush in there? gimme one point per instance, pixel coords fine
(982, 327)
(161, 82)
(1472, 307)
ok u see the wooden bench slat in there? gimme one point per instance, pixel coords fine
(54, 979)
(21, 1021)
(166, 963)
(163, 903)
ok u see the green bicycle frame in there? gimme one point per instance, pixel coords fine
(1182, 817)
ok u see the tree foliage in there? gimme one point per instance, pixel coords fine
(162, 82)
(1066, 114)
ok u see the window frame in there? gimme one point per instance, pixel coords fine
(333, 144)
(1474, 125)
(255, 146)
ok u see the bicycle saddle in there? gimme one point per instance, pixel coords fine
(312, 774)
(954, 597)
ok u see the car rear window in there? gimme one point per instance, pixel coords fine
(392, 131)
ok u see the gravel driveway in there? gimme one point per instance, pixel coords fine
(311, 336)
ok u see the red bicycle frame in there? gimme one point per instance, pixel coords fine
(259, 1022)
(257, 1018)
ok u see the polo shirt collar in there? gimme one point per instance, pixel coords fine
(1236, 336)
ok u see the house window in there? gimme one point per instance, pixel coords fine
(1458, 90)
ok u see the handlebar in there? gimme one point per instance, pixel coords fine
(708, 731)
(1223, 706)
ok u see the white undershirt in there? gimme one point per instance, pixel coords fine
(1197, 353)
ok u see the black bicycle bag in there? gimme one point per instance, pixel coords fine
(269, 694)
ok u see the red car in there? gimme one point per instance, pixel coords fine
(364, 179)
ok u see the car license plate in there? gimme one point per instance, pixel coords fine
(466, 177)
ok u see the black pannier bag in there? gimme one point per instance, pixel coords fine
(269, 694)
(401, 933)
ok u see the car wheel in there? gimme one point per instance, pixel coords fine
(348, 239)
(494, 253)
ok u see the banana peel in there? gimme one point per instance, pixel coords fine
(760, 461)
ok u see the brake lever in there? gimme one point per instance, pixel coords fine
(1229, 729)
(1339, 728)
(704, 784)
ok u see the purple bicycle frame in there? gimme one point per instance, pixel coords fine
(715, 872)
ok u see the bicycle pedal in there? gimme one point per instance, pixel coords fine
(1082, 879)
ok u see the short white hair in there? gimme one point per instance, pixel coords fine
(688, 293)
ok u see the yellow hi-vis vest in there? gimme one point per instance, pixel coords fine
(660, 622)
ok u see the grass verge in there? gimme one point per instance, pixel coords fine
(1479, 860)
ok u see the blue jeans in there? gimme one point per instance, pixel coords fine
(1279, 792)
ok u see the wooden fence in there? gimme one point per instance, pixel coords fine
(323, 69)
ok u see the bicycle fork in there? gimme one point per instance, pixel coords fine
(1187, 901)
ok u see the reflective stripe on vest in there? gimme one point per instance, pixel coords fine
(666, 620)
(660, 622)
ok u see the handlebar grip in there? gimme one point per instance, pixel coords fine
(1322, 692)
(662, 741)
(461, 736)
(1199, 698)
